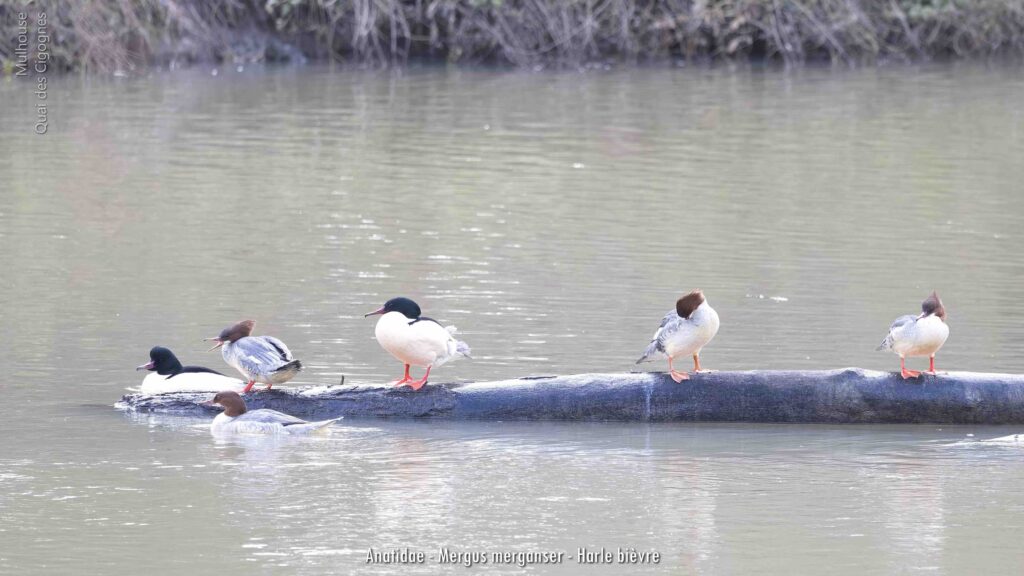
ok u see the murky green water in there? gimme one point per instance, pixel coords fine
(553, 218)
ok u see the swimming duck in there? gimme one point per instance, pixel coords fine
(415, 340)
(920, 335)
(170, 376)
(237, 419)
(263, 359)
(686, 330)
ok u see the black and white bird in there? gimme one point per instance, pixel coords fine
(168, 375)
(415, 340)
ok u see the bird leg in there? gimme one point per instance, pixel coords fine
(404, 379)
(267, 388)
(419, 383)
(248, 386)
(696, 365)
(907, 373)
(931, 365)
(677, 376)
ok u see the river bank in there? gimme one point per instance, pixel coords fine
(108, 36)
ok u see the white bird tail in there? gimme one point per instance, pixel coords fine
(461, 347)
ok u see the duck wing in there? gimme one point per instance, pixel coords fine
(670, 324)
(279, 347)
(268, 416)
(902, 321)
(262, 354)
(266, 421)
(309, 427)
(896, 326)
(425, 319)
(431, 333)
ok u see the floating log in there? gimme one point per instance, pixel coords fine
(847, 396)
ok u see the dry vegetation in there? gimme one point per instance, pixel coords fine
(108, 35)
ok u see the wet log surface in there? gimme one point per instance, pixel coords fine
(829, 396)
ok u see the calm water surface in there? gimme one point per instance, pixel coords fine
(553, 218)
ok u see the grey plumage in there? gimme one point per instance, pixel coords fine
(899, 322)
(268, 416)
(670, 324)
(237, 419)
(263, 358)
(265, 421)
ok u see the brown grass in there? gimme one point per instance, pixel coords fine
(108, 35)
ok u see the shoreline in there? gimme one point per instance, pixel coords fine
(110, 37)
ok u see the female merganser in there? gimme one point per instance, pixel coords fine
(263, 359)
(920, 335)
(170, 376)
(684, 331)
(238, 420)
(415, 340)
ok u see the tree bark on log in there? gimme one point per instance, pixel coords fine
(847, 396)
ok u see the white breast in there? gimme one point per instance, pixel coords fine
(190, 382)
(224, 424)
(420, 344)
(231, 356)
(694, 334)
(221, 423)
(923, 337)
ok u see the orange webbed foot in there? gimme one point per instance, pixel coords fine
(679, 376)
(401, 381)
(907, 374)
(416, 385)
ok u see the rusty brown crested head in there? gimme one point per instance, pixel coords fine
(687, 304)
(233, 333)
(232, 403)
(932, 305)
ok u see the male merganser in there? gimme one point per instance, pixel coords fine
(920, 335)
(263, 359)
(686, 330)
(415, 340)
(237, 419)
(170, 376)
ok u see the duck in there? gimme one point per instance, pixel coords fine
(263, 359)
(168, 375)
(684, 331)
(414, 339)
(238, 419)
(920, 335)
